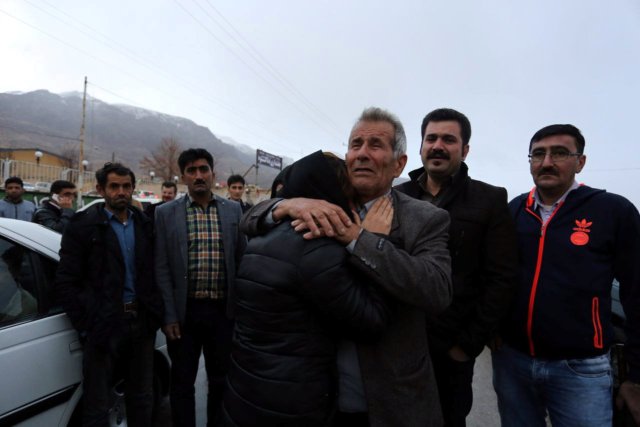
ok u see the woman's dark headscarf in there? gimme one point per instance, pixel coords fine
(317, 176)
(279, 181)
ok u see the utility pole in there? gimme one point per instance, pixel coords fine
(81, 158)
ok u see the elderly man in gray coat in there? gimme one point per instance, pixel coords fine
(391, 382)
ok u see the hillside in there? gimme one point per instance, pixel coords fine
(51, 122)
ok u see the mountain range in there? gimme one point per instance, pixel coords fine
(48, 121)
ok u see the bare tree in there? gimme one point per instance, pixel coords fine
(164, 160)
(70, 154)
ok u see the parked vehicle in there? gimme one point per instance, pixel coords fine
(40, 352)
(28, 186)
(43, 187)
(143, 202)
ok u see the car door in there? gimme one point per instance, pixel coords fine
(40, 354)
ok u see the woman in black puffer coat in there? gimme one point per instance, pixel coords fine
(295, 299)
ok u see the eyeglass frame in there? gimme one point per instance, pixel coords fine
(564, 156)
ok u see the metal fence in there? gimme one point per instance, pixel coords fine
(34, 173)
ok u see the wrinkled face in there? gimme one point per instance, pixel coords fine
(14, 191)
(168, 194)
(236, 190)
(555, 177)
(442, 151)
(198, 177)
(117, 192)
(370, 161)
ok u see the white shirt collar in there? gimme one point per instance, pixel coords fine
(536, 197)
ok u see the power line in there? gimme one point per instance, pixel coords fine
(115, 45)
(129, 100)
(124, 50)
(143, 81)
(38, 132)
(253, 70)
(259, 58)
(237, 125)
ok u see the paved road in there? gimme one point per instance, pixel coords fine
(164, 419)
(483, 414)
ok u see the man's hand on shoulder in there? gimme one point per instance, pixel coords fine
(321, 218)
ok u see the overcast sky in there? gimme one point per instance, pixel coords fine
(290, 77)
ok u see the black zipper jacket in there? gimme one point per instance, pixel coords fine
(562, 308)
(482, 244)
(90, 277)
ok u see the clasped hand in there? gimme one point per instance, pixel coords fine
(318, 218)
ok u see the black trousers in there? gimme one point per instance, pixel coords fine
(129, 352)
(351, 419)
(206, 330)
(454, 387)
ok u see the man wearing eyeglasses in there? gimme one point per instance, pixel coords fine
(198, 246)
(573, 240)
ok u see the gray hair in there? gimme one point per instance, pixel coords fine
(376, 114)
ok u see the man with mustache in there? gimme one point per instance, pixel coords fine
(104, 284)
(483, 256)
(390, 382)
(198, 246)
(573, 240)
(169, 191)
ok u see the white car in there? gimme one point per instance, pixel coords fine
(40, 352)
(43, 187)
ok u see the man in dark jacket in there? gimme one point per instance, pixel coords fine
(56, 212)
(235, 184)
(573, 240)
(483, 256)
(105, 284)
(169, 193)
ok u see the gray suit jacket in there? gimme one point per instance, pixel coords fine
(171, 253)
(414, 267)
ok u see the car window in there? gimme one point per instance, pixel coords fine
(26, 280)
(17, 284)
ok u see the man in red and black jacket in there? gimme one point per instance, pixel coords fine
(573, 241)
